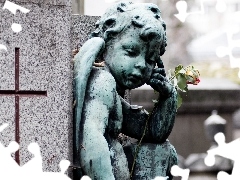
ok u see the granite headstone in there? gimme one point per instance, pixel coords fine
(36, 80)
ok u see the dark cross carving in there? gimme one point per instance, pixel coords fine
(19, 93)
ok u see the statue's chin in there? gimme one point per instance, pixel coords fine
(132, 85)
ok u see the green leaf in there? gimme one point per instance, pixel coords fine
(178, 68)
(186, 89)
(181, 82)
(179, 100)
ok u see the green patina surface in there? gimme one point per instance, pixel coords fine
(129, 38)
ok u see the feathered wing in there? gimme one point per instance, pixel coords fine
(83, 62)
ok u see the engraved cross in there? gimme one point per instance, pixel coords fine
(18, 94)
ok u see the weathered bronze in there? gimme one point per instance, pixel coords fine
(122, 54)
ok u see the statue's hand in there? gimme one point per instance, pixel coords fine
(159, 82)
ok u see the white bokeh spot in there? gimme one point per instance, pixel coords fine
(85, 178)
(12, 7)
(222, 51)
(182, 10)
(16, 27)
(160, 178)
(177, 171)
(3, 47)
(229, 151)
(10, 170)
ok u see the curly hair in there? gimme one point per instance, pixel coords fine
(123, 15)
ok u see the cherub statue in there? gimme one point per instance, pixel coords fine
(126, 45)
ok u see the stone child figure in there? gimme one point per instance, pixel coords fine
(129, 39)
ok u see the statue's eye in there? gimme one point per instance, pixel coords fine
(131, 53)
(131, 50)
(151, 61)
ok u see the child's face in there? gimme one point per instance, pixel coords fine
(130, 59)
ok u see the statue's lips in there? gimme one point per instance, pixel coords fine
(135, 78)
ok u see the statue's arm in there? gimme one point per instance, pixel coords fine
(98, 105)
(163, 114)
(160, 122)
(162, 118)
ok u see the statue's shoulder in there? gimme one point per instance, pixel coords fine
(100, 76)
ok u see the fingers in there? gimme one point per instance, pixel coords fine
(162, 86)
(158, 76)
(158, 80)
(156, 84)
(160, 63)
(159, 71)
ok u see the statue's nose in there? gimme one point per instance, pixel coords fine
(141, 64)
